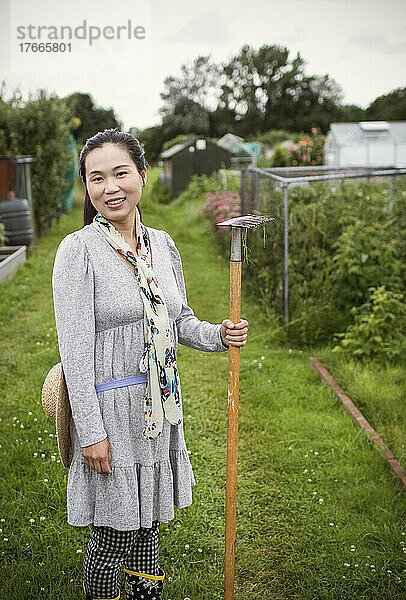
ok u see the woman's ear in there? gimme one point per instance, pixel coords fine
(144, 176)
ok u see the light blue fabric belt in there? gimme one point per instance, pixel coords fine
(116, 383)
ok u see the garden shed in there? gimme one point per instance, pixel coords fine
(195, 156)
(241, 149)
(367, 143)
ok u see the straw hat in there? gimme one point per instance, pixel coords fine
(55, 402)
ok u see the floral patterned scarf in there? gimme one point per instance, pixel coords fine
(162, 395)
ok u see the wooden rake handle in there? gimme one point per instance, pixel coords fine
(232, 430)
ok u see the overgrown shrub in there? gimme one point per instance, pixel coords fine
(160, 192)
(379, 328)
(3, 234)
(309, 150)
(39, 127)
(280, 156)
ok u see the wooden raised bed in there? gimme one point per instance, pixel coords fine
(11, 258)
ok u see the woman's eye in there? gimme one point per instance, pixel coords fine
(121, 172)
(96, 178)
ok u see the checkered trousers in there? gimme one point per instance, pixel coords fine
(108, 549)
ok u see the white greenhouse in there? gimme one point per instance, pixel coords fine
(367, 143)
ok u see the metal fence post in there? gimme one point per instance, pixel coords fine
(242, 187)
(286, 271)
(257, 193)
(390, 192)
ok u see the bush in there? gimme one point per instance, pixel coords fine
(40, 127)
(280, 156)
(309, 151)
(160, 192)
(365, 255)
(3, 235)
(379, 330)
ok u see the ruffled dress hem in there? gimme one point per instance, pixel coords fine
(146, 492)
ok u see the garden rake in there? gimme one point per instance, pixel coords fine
(237, 225)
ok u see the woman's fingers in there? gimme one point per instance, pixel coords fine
(235, 334)
(98, 456)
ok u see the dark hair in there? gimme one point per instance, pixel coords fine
(109, 136)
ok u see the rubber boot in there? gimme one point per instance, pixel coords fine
(90, 597)
(141, 586)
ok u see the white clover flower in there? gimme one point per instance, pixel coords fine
(5, 539)
(32, 520)
(306, 471)
(187, 546)
(45, 480)
(262, 357)
(35, 454)
(42, 518)
(42, 455)
(309, 480)
(321, 500)
(316, 453)
(199, 550)
(346, 564)
(331, 524)
(79, 551)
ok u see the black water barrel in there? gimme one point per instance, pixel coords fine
(15, 215)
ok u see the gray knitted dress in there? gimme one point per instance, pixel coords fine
(99, 321)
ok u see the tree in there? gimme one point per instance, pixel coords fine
(152, 139)
(389, 107)
(350, 113)
(196, 82)
(188, 117)
(265, 90)
(93, 119)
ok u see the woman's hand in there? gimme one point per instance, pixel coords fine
(234, 334)
(98, 456)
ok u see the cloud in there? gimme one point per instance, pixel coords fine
(379, 42)
(208, 28)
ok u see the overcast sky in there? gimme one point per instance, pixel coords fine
(360, 43)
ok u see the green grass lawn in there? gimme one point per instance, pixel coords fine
(319, 515)
(379, 391)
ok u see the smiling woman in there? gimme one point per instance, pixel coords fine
(118, 335)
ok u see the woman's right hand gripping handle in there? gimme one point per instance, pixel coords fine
(98, 456)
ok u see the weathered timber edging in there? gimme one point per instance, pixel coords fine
(361, 421)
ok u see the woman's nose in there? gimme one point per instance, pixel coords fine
(111, 186)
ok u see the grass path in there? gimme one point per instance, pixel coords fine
(313, 494)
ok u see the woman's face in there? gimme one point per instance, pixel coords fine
(111, 175)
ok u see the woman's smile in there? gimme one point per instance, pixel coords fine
(115, 202)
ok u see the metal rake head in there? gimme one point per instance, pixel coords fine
(246, 221)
